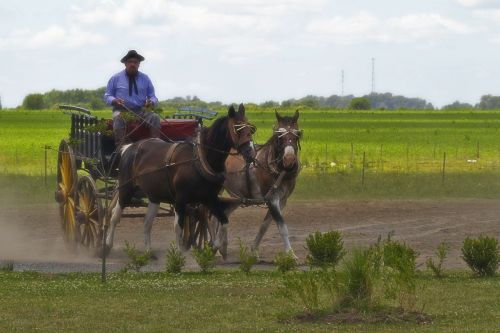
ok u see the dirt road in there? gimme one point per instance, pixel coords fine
(32, 238)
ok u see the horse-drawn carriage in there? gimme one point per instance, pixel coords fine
(87, 172)
(206, 161)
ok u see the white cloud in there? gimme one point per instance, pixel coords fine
(366, 27)
(480, 3)
(71, 37)
(491, 14)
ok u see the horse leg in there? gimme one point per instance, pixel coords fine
(148, 224)
(220, 243)
(115, 219)
(275, 208)
(265, 225)
(180, 214)
(262, 230)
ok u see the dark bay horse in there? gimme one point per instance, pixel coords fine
(183, 173)
(271, 178)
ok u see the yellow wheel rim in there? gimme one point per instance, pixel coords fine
(89, 210)
(66, 180)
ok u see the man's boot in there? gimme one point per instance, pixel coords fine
(119, 136)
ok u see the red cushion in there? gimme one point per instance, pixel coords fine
(173, 129)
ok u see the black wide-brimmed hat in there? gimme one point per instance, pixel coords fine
(132, 54)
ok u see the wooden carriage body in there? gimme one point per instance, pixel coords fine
(87, 169)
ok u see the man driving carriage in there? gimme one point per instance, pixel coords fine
(131, 90)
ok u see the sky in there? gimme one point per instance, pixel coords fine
(255, 50)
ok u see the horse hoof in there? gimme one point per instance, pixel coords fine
(223, 251)
(292, 254)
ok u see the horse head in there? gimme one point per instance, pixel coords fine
(287, 135)
(241, 132)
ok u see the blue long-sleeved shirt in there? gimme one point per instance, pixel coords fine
(118, 87)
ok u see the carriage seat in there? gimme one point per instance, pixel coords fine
(173, 129)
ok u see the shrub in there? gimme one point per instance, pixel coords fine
(441, 253)
(359, 277)
(285, 262)
(325, 249)
(137, 260)
(174, 260)
(482, 255)
(247, 259)
(304, 287)
(400, 256)
(205, 257)
(399, 272)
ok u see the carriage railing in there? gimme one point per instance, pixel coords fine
(190, 112)
(87, 142)
(85, 139)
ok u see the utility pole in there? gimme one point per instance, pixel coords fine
(342, 94)
(373, 75)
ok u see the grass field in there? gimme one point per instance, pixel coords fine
(226, 301)
(404, 150)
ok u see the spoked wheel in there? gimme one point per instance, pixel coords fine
(196, 231)
(66, 190)
(89, 213)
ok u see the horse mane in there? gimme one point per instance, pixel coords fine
(217, 132)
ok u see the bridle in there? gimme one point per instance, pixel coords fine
(284, 131)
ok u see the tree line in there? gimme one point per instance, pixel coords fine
(92, 99)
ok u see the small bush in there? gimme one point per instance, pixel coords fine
(359, 277)
(482, 255)
(325, 249)
(399, 272)
(303, 287)
(174, 260)
(205, 257)
(137, 260)
(285, 262)
(247, 259)
(441, 253)
(400, 256)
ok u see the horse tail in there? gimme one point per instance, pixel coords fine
(126, 176)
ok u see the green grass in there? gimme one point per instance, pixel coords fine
(392, 140)
(404, 151)
(227, 301)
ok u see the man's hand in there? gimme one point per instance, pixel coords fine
(118, 102)
(148, 103)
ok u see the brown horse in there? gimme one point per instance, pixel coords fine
(271, 178)
(190, 172)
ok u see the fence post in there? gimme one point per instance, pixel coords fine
(407, 157)
(45, 165)
(477, 154)
(363, 172)
(444, 168)
(381, 161)
(352, 154)
(326, 157)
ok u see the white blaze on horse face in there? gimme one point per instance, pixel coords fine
(289, 156)
(289, 150)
